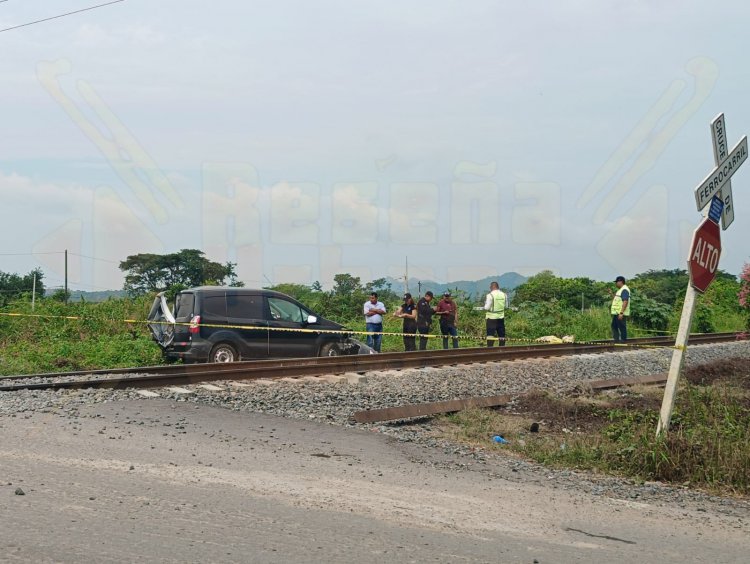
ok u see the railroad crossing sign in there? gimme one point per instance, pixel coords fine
(721, 174)
(704, 255)
(719, 138)
(716, 189)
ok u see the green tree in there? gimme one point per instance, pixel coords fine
(344, 284)
(665, 286)
(148, 272)
(383, 288)
(668, 286)
(569, 292)
(13, 286)
(542, 287)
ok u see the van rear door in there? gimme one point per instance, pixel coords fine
(161, 321)
(183, 315)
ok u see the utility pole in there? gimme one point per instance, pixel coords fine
(33, 292)
(406, 276)
(66, 276)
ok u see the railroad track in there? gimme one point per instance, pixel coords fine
(184, 374)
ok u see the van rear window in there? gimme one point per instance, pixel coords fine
(184, 305)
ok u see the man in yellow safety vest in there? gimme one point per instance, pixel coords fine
(620, 310)
(494, 305)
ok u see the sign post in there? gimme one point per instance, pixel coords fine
(702, 265)
(705, 251)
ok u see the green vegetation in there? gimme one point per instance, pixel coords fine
(96, 337)
(708, 444)
(13, 286)
(544, 305)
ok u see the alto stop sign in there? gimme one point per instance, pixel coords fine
(704, 255)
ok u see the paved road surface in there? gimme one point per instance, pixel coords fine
(161, 481)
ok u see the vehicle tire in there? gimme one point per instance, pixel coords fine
(223, 352)
(330, 349)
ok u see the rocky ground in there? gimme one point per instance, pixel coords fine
(335, 403)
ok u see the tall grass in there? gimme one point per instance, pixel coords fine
(708, 444)
(46, 340)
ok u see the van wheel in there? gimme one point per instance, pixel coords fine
(330, 349)
(223, 352)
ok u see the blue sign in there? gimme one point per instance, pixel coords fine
(714, 211)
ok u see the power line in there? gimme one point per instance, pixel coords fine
(95, 258)
(61, 15)
(57, 252)
(29, 254)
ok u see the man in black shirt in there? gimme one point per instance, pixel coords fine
(424, 318)
(408, 312)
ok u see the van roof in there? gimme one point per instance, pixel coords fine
(233, 290)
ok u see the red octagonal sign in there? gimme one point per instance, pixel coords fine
(704, 255)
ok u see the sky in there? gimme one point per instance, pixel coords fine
(304, 139)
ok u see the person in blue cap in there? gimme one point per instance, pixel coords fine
(620, 310)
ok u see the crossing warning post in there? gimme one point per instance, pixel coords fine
(705, 251)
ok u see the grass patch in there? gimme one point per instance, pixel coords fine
(708, 445)
(97, 339)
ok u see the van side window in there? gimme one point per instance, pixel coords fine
(283, 310)
(215, 305)
(244, 306)
(184, 305)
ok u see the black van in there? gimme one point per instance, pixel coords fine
(222, 324)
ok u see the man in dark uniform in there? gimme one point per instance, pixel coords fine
(408, 312)
(620, 310)
(424, 318)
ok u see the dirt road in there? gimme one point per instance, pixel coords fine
(166, 481)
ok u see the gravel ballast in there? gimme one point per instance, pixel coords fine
(337, 401)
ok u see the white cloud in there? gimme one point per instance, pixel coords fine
(19, 192)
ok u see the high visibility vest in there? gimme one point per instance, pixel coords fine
(498, 305)
(617, 302)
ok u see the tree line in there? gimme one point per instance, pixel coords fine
(657, 294)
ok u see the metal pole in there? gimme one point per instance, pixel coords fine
(678, 356)
(66, 277)
(406, 276)
(33, 292)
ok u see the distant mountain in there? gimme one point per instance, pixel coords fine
(475, 289)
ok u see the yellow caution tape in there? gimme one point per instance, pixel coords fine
(342, 331)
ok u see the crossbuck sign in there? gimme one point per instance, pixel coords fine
(726, 165)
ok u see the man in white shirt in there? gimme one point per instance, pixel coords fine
(374, 312)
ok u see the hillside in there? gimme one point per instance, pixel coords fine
(474, 288)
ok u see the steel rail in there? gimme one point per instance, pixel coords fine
(158, 376)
